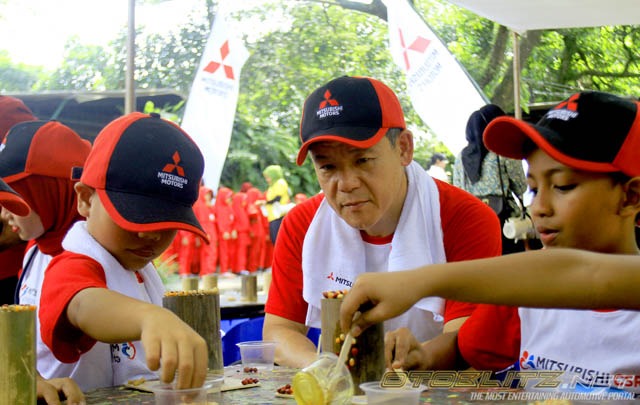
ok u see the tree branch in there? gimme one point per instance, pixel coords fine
(376, 7)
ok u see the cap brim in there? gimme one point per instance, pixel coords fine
(506, 136)
(10, 200)
(126, 211)
(334, 135)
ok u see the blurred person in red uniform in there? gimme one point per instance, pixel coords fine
(195, 255)
(207, 217)
(300, 198)
(12, 248)
(245, 186)
(188, 255)
(257, 230)
(267, 253)
(241, 221)
(226, 228)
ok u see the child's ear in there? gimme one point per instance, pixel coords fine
(84, 194)
(631, 204)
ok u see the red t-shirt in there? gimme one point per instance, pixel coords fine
(470, 230)
(67, 274)
(490, 339)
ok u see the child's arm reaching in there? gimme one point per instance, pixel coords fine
(551, 278)
(111, 317)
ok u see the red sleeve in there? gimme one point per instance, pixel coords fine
(471, 230)
(285, 294)
(67, 274)
(490, 339)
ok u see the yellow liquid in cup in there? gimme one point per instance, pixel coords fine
(323, 383)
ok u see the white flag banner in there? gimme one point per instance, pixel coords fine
(211, 106)
(440, 90)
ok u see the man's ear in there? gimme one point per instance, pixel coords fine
(405, 145)
(84, 194)
(631, 203)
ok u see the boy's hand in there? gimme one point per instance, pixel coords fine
(50, 391)
(403, 351)
(385, 294)
(172, 344)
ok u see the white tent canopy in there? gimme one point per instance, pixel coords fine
(526, 15)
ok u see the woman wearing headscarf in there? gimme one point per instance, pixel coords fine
(278, 199)
(483, 174)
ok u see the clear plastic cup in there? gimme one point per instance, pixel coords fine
(407, 395)
(166, 394)
(258, 354)
(323, 382)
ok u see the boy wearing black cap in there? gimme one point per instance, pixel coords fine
(136, 190)
(585, 176)
(379, 211)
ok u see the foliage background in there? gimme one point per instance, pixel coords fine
(307, 43)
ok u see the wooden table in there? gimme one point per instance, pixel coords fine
(270, 381)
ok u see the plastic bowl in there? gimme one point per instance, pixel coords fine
(166, 394)
(257, 354)
(407, 395)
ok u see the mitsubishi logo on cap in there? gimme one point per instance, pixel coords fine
(170, 167)
(329, 106)
(328, 100)
(167, 177)
(565, 110)
(570, 104)
(213, 66)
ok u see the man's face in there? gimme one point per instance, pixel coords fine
(365, 187)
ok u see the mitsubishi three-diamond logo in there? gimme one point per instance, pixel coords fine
(420, 45)
(213, 65)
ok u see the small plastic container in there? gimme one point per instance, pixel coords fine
(166, 394)
(258, 354)
(323, 382)
(407, 395)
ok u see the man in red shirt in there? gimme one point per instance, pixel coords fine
(379, 211)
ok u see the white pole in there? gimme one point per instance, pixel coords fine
(516, 76)
(130, 91)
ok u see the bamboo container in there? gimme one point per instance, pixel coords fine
(201, 311)
(209, 281)
(366, 359)
(249, 288)
(190, 283)
(18, 354)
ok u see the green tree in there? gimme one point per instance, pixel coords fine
(17, 77)
(322, 39)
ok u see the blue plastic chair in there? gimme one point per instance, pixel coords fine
(242, 332)
(250, 329)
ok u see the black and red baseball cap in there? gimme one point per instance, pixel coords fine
(146, 171)
(591, 131)
(12, 111)
(47, 148)
(355, 110)
(12, 201)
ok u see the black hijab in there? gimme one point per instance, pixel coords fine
(473, 154)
